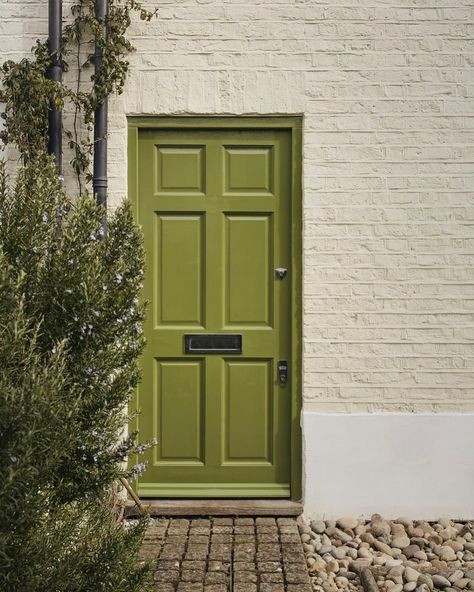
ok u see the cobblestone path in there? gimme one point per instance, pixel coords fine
(226, 555)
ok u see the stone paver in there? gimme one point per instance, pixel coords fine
(262, 554)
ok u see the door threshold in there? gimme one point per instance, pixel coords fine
(216, 507)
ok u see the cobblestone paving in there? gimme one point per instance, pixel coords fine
(226, 554)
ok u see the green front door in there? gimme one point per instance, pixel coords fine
(214, 206)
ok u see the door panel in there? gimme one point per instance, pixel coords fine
(179, 411)
(248, 262)
(179, 298)
(248, 169)
(214, 206)
(181, 170)
(248, 437)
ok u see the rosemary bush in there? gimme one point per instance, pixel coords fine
(70, 335)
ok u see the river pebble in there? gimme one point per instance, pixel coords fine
(404, 555)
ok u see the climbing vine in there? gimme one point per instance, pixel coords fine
(27, 93)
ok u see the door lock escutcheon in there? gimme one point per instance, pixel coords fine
(281, 272)
(282, 372)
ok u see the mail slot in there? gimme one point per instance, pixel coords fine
(213, 343)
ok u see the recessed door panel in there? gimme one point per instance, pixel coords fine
(179, 252)
(249, 169)
(248, 417)
(214, 206)
(179, 412)
(180, 169)
(248, 267)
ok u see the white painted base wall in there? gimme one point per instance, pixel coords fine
(419, 465)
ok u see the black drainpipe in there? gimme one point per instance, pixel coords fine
(99, 178)
(55, 72)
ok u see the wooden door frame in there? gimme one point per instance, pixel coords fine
(294, 126)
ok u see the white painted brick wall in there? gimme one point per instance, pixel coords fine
(387, 93)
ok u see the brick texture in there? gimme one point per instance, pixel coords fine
(387, 93)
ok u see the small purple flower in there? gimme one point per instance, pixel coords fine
(138, 469)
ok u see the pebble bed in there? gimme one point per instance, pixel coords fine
(403, 555)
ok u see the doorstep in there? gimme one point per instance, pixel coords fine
(217, 507)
